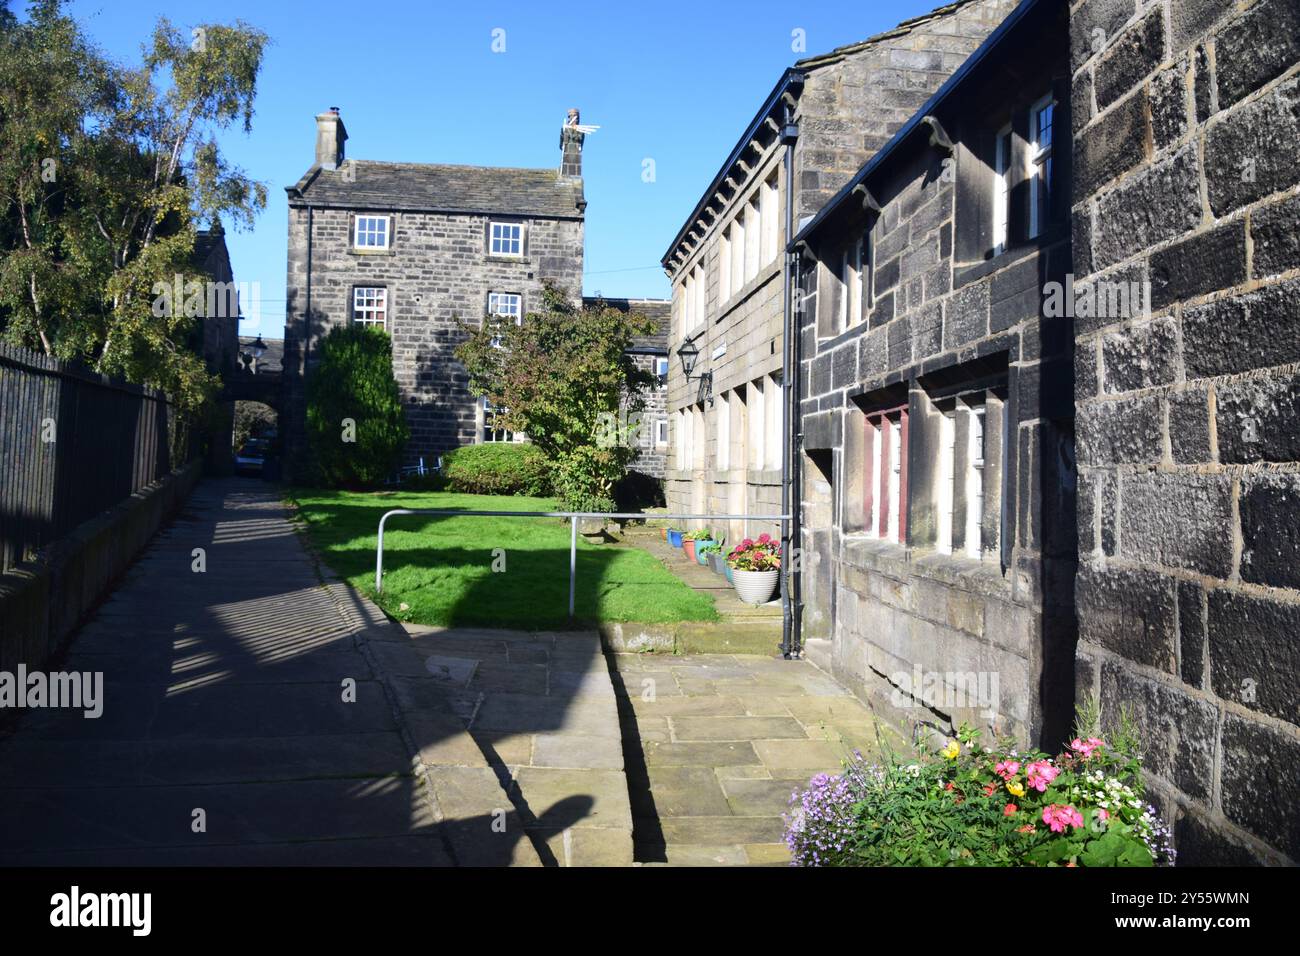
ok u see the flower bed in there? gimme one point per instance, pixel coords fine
(969, 805)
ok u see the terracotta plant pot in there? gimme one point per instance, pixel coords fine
(755, 587)
(675, 538)
(688, 545)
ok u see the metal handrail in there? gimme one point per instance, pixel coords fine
(573, 517)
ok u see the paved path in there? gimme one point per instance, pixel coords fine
(226, 737)
(716, 744)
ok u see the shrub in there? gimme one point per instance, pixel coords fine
(497, 468)
(979, 806)
(355, 425)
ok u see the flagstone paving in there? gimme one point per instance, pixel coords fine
(716, 744)
(253, 715)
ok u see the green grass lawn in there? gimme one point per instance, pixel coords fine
(441, 567)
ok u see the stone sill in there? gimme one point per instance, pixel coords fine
(768, 477)
(367, 253)
(765, 275)
(900, 561)
(513, 260)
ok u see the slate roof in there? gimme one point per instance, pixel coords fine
(433, 187)
(273, 360)
(661, 310)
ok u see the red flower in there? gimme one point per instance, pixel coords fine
(1009, 810)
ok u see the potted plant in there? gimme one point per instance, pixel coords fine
(702, 550)
(712, 553)
(675, 537)
(755, 568)
(692, 538)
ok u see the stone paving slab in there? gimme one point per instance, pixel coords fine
(541, 711)
(720, 742)
(248, 691)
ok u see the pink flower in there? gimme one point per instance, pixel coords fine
(764, 538)
(1009, 810)
(1086, 747)
(747, 543)
(1103, 815)
(1040, 774)
(1006, 769)
(1058, 815)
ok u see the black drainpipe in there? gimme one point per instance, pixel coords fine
(790, 385)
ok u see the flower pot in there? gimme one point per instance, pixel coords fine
(675, 538)
(702, 558)
(718, 563)
(726, 569)
(688, 545)
(663, 534)
(755, 587)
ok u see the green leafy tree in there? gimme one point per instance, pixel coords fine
(106, 174)
(565, 379)
(355, 425)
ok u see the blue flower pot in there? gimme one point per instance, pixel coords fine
(702, 558)
(675, 538)
(730, 579)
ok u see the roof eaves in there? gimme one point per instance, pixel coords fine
(949, 87)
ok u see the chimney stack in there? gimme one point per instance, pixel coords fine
(331, 134)
(571, 147)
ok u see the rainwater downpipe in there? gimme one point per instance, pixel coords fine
(790, 389)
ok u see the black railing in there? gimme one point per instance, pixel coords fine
(73, 444)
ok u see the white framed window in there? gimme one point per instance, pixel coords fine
(371, 232)
(770, 217)
(851, 278)
(1001, 189)
(894, 481)
(722, 433)
(943, 486)
(773, 416)
(370, 306)
(737, 259)
(886, 479)
(1041, 116)
(753, 237)
(974, 481)
(661, 432)
(661, 370)
(492, 431)
(757, 408)
(506, 305)
(506, 239)
(724, 267)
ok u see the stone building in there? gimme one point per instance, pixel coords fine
(824, 118)
(936, 410)
(414, 247)
(650, 354)
(1187, 181)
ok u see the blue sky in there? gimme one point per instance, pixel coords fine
(419, 82)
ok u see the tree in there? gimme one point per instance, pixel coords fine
(356, 428)
(564, 378)
(106, 174)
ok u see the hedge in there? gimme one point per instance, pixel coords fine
(497, 468)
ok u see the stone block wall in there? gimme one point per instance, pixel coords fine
(1188, 178)
(853, 100)
(991, 639)
(437, 271)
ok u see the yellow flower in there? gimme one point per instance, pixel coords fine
(952, 750)
(1015, 788)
